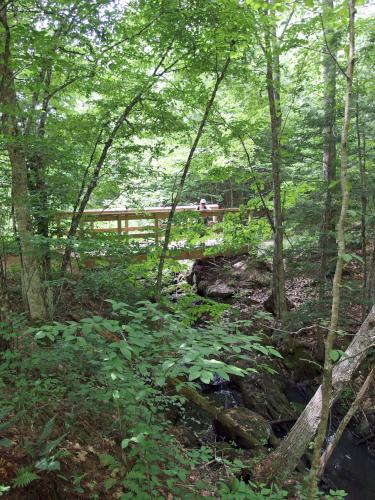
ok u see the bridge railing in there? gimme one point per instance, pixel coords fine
(120, 220)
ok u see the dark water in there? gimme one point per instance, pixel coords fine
(352, 469)
(220, 393)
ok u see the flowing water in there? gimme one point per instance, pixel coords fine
(351, 467)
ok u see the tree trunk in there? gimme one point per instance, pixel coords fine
(282, 462)
(32, 283)
(37, 173)
(273, 90)
(86, 191)
(336, 288)
(327, 241)
(185, 171)
(4, 304)
(362, 173)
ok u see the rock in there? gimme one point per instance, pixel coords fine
(261, 391)
(217, 290)
(222, 277)
(252, 423)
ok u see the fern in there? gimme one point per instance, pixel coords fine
(24, 477)
(47, 430)
(109, 461)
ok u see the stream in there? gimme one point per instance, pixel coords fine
(351, 467)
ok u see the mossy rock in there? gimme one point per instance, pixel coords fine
(250, 422)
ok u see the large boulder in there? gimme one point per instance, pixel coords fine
(222, 277)
(250, 422)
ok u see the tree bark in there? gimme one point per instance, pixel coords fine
(273, 90)
(32, 284)
(185, 171)
(281, 463)
(362, 173)
(4, 302)
(327, 242)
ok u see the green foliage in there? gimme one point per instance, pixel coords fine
(4, 489)
(191, 307)
(120, 365)
(239, 490)
(24, 477)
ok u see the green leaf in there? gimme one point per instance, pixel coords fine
(111, 325)
(87, 328)
(346, 257)
(48, 465)
(334, 355)
(206, 376)
(168, 364)
(125, 350)
(125, 443)
(109, 483)
(194, 374)
(24, 478)
(5, 442)
(274, 352)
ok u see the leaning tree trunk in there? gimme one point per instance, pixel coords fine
(281, 463)
(327, 241)
(273, 90)
(185, 172)
(86, 191)
(33, 289)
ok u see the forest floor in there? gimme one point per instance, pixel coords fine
(82, 456)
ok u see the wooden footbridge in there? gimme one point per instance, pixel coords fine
(148, 225)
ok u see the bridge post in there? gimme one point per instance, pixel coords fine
(156, 230)
(118, 225)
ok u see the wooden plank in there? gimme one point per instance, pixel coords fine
(104, 217)
(133, 211)
(129, 229)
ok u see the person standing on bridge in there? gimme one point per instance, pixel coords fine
(203, 206)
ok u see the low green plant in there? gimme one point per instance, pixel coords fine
(116, 369)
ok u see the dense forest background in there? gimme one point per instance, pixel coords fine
(115, 356)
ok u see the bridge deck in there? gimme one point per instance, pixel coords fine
(120, 219)
(149, 224)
